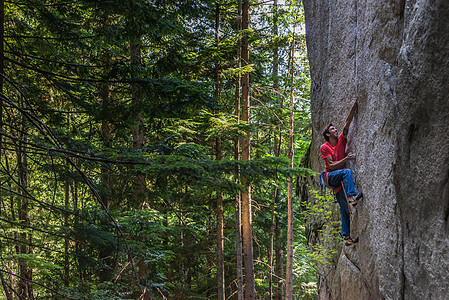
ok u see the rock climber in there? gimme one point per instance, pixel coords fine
(333, 152)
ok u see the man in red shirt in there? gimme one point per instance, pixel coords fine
(334, 155)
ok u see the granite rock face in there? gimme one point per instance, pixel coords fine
(393, 56)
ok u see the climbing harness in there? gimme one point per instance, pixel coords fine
(324, 182)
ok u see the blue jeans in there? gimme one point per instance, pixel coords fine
(335, 179)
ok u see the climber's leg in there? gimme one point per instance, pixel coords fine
(345, 175)
(345, 219)
(344, 211)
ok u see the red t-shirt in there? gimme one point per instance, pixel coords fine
(337, 152)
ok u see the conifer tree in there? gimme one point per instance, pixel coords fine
(120, 120)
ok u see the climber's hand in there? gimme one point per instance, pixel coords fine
(350, 155)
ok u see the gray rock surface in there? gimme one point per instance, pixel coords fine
(393, 55)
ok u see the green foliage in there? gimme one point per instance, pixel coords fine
(231, 73)
(35, 261)
(303, 266)
(92, 212)
(323, 210)
(92, 291)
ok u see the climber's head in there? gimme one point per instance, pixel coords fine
(330, 130)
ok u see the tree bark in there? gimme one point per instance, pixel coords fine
(250, 292)
(220, 217)
(140, 180)
(277, 144)
(66, 222)
(106, 139)
(137, 130)
(25, 287)
(289, 267)
(2, 56)
(270, 252)
(238, 200)
(278, 259)
(220, 249)
(279, 263)
(105, 273)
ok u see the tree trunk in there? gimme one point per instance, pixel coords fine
(106, 139)
(250, 292)
(238, 200)
(105, 273)
(238, 242)
(25, 287)
(66, 240)
(218, 154)
(2, 36)
(277, 144)
(66, 222)
(137, 130)
(76, 222)
(138, 142)
(289, 267)
(270, 252)
(279, 263)
(210, 228)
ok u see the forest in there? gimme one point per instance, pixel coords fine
(149, 149)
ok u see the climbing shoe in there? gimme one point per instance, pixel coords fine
(350, 241)
(356, 199)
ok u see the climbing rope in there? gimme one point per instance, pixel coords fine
(354, 81)
(354, 230)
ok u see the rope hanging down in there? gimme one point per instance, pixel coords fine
(354, 82)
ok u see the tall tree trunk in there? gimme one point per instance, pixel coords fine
(180, 243)
(105, 255)
(76, 222)
(289, 267)
(250, 292)
(270, 252)
(238, 242)
(106, 139)
(2, 36)
(220, 217)
(138, 143)
(66, 240)
(6, 292)
(25, 287)
(220, 238)
(278, 260)
(140, 190)
(210, 229)
(277, 144)
(12, 203)
(238, 200)
(66, 221)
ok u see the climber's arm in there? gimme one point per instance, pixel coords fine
(334, 165)
(349, 119)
